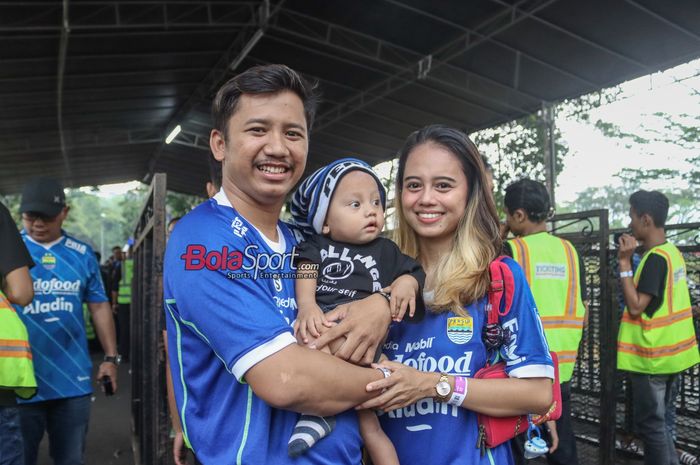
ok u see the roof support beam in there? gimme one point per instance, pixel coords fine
(246, 39)
(664, 20)
(116, 15)
(62, 52)
(386, 54)
(589, 42)
(409, 74)
(518, 52)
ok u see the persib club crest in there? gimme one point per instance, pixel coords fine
(48, 261)
(460, 329)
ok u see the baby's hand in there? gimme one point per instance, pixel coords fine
(310, 320)
(403, 296)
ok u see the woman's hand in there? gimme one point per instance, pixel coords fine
(310, 322)
(404, 387)
(364, 324)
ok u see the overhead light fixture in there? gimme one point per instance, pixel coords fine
(173, 134)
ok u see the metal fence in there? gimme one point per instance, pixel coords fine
(601, 401)
(149, 409)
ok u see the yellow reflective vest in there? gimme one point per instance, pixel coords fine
(551, 268)
(665, 342)
(124, 296)
(16, 367)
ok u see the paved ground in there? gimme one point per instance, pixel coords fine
(109, 434)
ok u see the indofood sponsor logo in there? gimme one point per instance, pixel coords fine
(56, 287)
(57, 305)
(460, 329)
(444, 364)
(48, 261)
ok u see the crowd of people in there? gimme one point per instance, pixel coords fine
(304, 342)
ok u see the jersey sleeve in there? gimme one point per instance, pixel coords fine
(402, 264)
(94, 290)
(527, 354)
(309, 250)
(235, 316)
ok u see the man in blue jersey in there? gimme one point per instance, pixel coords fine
(238, 374)
(65, 275)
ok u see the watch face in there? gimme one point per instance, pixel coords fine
(443, 388)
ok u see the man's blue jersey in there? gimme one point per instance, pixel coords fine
(224, 315)
(66, 274)
(435, 432)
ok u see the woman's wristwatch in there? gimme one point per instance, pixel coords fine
(443, 389)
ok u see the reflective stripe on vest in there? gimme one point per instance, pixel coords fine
(124, 296)
(551, 268)
(16, 367)
(87, 318)
(664, 343)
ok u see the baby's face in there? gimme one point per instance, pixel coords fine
(355, 214)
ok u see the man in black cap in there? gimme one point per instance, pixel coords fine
(66, 275)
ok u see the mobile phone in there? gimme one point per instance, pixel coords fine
(107, 385)
(616, 239)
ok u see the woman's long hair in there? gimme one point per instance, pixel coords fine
(462, 276)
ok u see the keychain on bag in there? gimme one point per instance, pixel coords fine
(535, 446)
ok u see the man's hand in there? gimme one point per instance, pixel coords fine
(628, 244)
(310, 322)
(180, 450)
(107, 369)
(364, 324)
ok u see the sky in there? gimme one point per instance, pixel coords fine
(594, 159)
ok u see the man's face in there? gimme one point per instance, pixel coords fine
(42, 228)
(637, 225)
(264, 153)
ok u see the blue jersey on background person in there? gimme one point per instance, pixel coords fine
(66, 275)
(433, 346)
(199, 290)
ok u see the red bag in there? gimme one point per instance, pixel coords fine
(497, 430)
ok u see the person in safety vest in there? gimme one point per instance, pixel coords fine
(657, 340)
(16, 367)
(66, 275)
(557, 279)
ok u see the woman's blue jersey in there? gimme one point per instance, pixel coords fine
(435, 432)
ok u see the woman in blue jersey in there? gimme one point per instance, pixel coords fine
(447, 220)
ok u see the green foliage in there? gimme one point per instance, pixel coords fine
(515, 150)
(180, 204)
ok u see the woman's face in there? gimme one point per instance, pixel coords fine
(434, 194)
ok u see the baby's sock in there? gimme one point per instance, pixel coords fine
(308, 431)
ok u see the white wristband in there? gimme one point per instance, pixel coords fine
(626, 274)
(460, 391)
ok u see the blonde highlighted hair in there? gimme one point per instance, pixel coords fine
(462, 276)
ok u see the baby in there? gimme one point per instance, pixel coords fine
(341, 209)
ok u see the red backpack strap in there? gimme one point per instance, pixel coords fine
(502, 285)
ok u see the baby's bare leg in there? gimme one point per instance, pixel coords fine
(379, 446)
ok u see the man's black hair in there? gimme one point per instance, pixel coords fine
(263, 79)
(214, 171)
(653, 203)
(532, 197)
(116, 247)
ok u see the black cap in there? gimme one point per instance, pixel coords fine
(43, 195)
